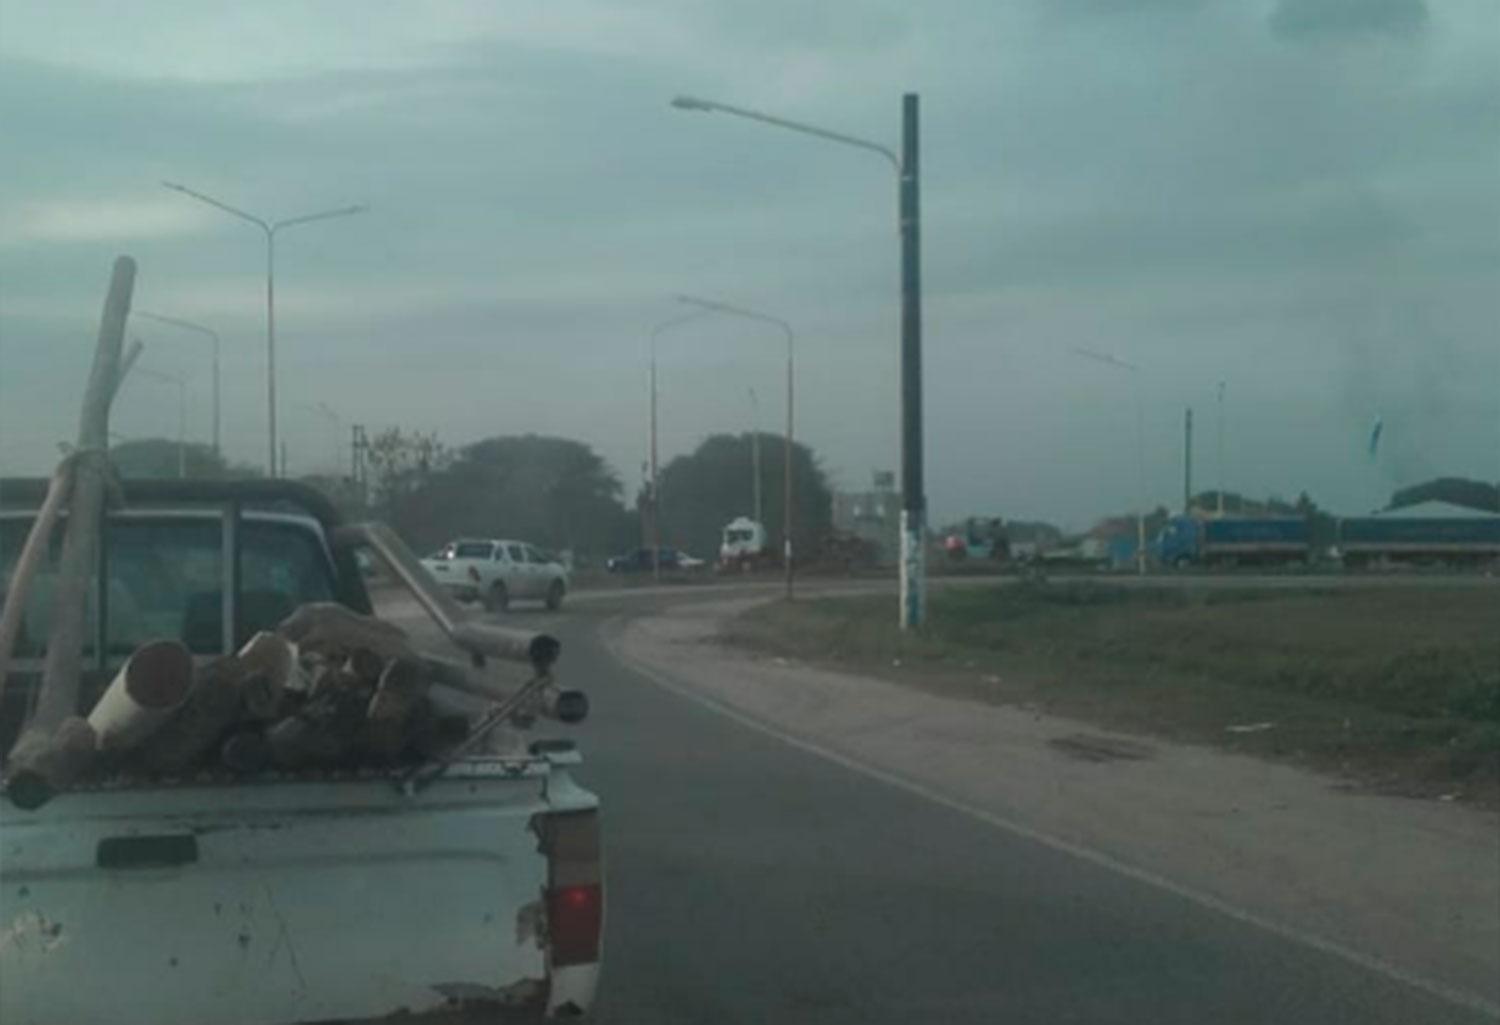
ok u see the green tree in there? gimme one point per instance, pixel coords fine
(703, 491)
(146, 458)
(401, 463)
(554, 492)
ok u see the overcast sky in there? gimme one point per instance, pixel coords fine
(1300, 198)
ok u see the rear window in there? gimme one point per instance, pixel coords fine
(164, 579)
(473, 550)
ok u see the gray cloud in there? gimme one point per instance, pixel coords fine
(1314, 226)
(1293, 19)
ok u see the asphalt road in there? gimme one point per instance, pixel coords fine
(750, 881)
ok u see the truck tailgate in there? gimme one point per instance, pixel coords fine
(263, 904)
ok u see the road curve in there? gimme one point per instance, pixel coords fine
(749, 881)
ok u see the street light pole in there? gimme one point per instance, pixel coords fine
(790, 505)
(213, 335)
(914, 503)
(1221, 448)
(656, 333)
(1140, 448)
(755, 454)
(269, 228)
(181, 384)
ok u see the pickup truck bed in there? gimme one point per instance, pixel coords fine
(252, 903)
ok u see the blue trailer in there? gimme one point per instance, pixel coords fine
(1233, 540)
(1393, 538)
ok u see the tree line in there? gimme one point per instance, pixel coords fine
(554, 492)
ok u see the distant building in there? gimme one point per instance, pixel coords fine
(873, 516)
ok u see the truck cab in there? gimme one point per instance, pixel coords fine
(276, 898)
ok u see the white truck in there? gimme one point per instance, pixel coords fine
(471, 892)
(744, 545)
(494, 571)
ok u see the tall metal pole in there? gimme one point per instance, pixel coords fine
(914, 501)
(914, 510)
(1221, 448)
(181, 429)
(788, 504)
(655, 514)
(271, 352)
(755, 456)
(269, 228)
(1140, 448)
(655, 505)
(188, 325)
(713, 306)
(1187, 461)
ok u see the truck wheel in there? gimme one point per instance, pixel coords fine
(497, 598)
(555, 595)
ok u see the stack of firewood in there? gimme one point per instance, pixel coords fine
(352, 694)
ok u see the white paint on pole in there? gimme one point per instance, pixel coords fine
(913, 570)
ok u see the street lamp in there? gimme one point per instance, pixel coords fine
(755, 454)
(914, 502)
(270, 228)
(188, 325)
(657, 332)
(713, 306)
(1140, 448)
(181, 412)
(1221, 448)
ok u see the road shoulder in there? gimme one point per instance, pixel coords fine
(1411, 888)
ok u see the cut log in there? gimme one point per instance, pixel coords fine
(322, 732)
(389, 714)
(330, 629)
(44, 762)
(212, 706)
(434, 733)
(271, 661)
(149, 687)
(246, 750)
(366, 665)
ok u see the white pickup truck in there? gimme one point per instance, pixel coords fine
(495, 571)
(475, 896)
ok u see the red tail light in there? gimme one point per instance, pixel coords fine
(575, 918)
(575, 896)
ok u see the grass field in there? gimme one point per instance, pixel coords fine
(1398, 689)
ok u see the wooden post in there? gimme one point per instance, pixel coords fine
(62, 666)
(32, 554)
(51, 763)
(46, 754)
(212, 706)
(402, 686)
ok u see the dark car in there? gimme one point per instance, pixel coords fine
(639, 561)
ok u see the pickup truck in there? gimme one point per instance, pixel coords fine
(274, 899)
(495, 571)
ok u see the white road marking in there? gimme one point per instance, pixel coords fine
(609, 635)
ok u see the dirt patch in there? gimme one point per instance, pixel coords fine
(1397, 689)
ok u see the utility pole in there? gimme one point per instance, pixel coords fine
(755, 454)
(1187, 461)
(913, 498)
(914, 503)
(1221, 448)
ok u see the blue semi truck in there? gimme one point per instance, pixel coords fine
(1449, 540)
(1233, 540)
